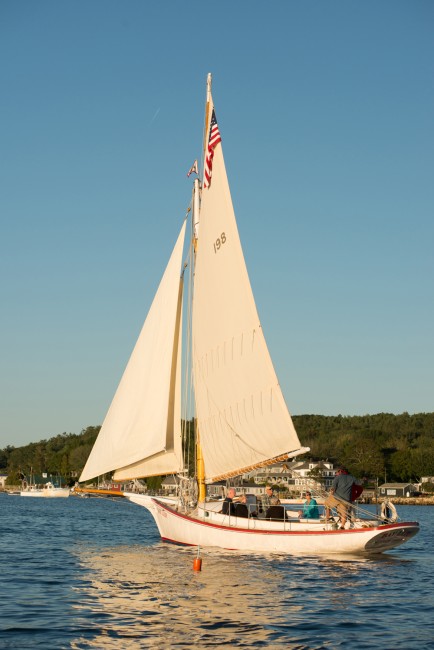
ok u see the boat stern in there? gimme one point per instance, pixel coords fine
(391, 536)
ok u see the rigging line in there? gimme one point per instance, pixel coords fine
(322, 492)
(187, 390)
(192, 404)
(191, 388)
(185, 265)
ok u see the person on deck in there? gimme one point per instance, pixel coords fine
(310, 508)
(267, 497)
(241, 509)
(342, 489)
(228, 507)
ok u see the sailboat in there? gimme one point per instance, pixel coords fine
(241, 417)
(48, 491)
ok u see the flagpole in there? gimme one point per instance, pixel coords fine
(207, 112)
(208, 86)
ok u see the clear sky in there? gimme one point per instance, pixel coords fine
(326, 114)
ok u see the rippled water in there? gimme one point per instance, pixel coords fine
(90, 573)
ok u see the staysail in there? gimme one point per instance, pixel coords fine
(141, 434)
(242, 416)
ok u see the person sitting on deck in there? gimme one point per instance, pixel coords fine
(268, 499)
(228, 507)
(310, 508)
(241, 509)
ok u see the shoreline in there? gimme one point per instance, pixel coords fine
(401, 501)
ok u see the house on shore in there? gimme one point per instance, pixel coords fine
(169, 485)
(296, 476)
(397, 490)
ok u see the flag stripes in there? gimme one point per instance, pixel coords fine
(214, 139)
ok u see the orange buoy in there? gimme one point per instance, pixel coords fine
(197, 562)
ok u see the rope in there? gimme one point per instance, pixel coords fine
(323, 494)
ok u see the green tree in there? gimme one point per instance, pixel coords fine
(401, 466)
(363, 458)
(154, 482)
(316, 475)
(64, 465)
(78, 458)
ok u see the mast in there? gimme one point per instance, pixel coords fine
(196, 216)
(200, 465)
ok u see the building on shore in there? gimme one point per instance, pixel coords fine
(296, 476)
(397, 490)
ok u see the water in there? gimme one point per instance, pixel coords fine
(90, 573)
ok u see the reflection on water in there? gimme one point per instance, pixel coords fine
(153, 595)
(150, 596)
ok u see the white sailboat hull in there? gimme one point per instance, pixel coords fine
(293, 538)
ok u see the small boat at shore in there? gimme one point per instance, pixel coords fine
(47, 491)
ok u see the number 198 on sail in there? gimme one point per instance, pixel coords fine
(219, 242)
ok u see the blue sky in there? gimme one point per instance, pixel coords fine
(326, 114)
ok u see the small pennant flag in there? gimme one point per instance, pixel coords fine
(193, 169)
(214, 139)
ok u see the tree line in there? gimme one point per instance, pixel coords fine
(395, 447)
(385, 446)
(63, 455)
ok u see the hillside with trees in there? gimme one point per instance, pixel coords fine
(63, 455)
(399, 447)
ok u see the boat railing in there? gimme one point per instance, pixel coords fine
(254, 516)
(356, 510)
(291, 516)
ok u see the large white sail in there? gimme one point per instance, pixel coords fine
(143, 424)
(242, 416)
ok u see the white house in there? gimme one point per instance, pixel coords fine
(219, 489)
(322, 469)
(296, 475)
(170, 484)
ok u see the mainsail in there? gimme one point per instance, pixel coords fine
(141, 434)
(241, 413)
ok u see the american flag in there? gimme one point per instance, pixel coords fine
(214, 139)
